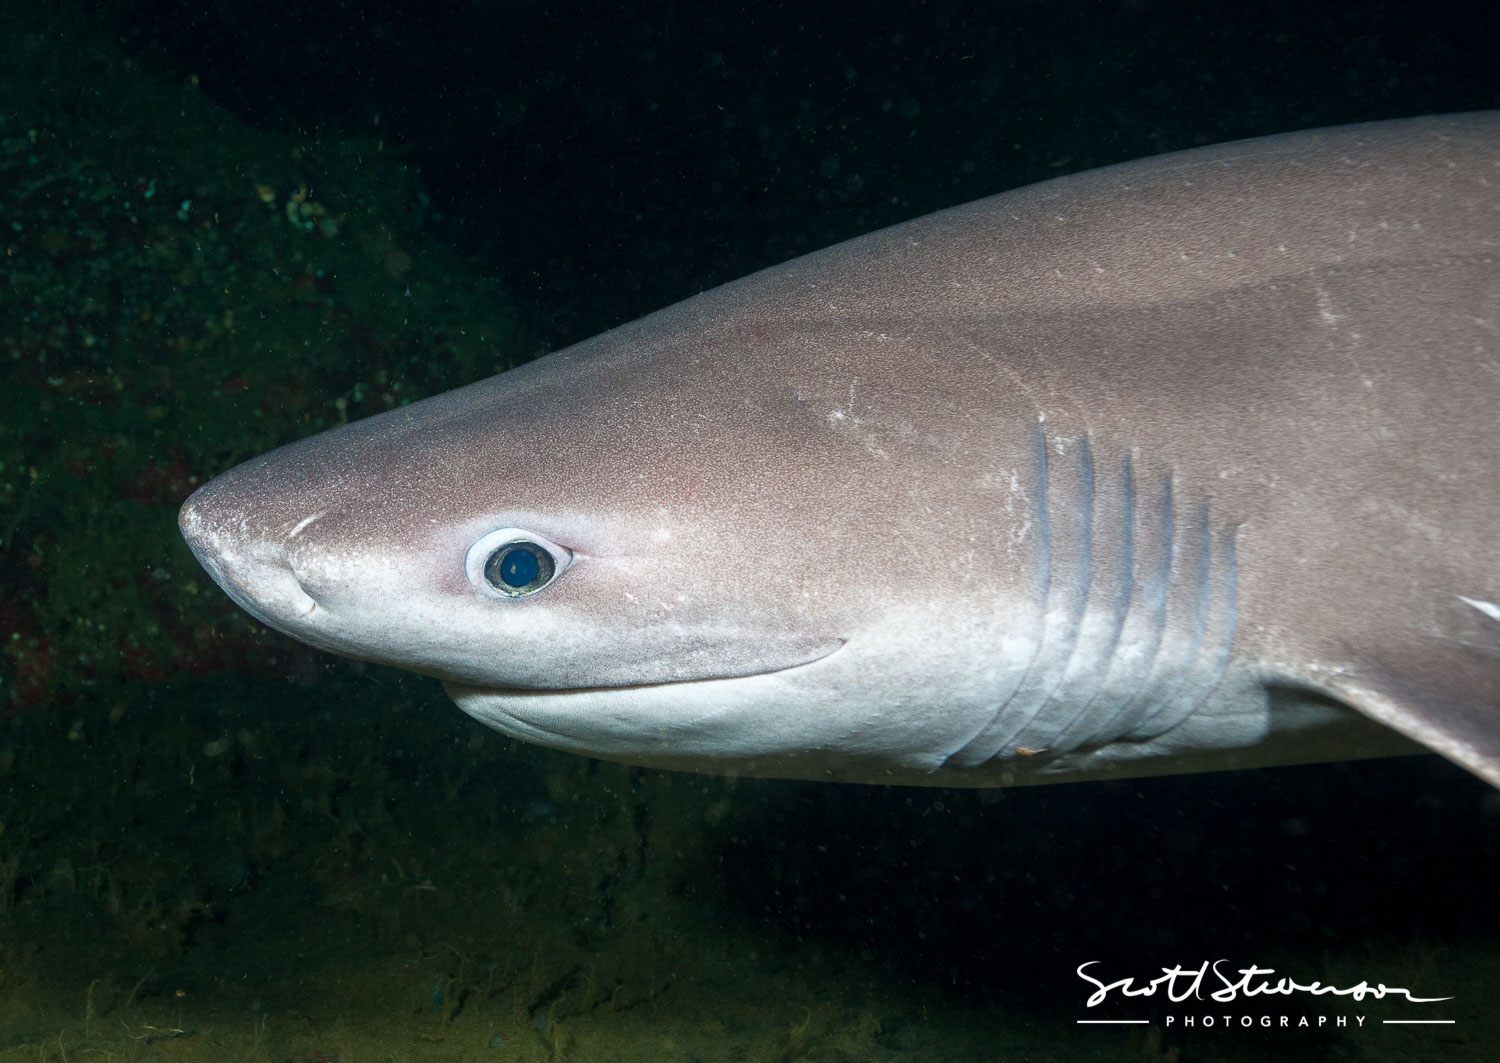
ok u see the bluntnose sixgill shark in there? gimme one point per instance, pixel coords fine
(1183, 464)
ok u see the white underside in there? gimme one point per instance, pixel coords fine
(844, 717)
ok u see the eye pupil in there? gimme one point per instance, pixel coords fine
(519, 568)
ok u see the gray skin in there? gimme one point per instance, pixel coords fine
(1185, 464)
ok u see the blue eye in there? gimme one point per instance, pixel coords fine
(512, 563)
(519, 568)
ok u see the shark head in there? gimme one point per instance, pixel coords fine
(628, 549)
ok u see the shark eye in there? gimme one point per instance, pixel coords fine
(514, 563)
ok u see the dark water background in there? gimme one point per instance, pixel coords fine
(227, 225)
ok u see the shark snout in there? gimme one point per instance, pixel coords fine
(254, 570)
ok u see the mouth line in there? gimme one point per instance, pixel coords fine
(540, 692)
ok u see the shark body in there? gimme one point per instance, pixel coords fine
(1183, 464)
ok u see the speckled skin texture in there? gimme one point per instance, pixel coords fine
(838, 520)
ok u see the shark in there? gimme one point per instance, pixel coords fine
(1185, 464)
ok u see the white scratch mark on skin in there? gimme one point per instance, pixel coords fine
(1489, 609)
(1021, 531)
(1325, 308)
(303, 523)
